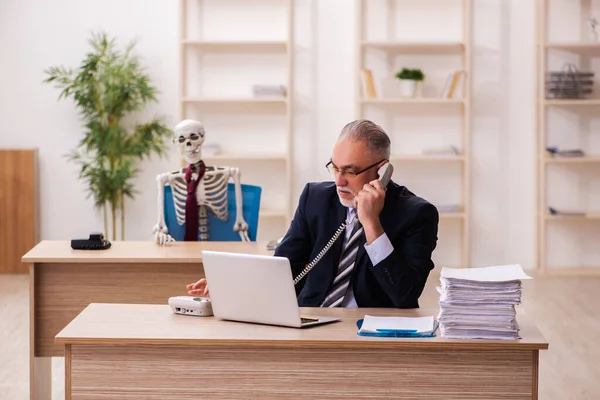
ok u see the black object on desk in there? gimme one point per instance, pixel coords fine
(95, 242)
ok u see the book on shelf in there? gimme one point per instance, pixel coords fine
(368, 85)
(556, 152)
(452, 84)
(567, 213)
(261, 90)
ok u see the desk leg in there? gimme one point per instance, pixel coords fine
(536, 374)
(40, 368)
(67, 372)
(41, 379)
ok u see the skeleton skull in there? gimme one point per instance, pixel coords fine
(189, 135)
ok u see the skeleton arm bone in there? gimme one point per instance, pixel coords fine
(160, 230)
(240, 224)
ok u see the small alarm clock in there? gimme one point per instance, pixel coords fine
(191, 305)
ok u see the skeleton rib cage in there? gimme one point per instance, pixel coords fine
(214, 198)
(211, 196)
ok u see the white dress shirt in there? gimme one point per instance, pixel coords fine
(377, 251)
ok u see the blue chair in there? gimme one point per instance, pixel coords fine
(220, 230)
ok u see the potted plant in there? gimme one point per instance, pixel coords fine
(107, 88)
(410, 81)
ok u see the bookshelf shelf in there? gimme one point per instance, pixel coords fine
(248, 156)
(552, 53)
(573, 271)
(237, 101)
(589, 48)
(272, 213)
(586, 217)
(416, 47)
(383, 47)
(238, 55)
(237, 46)
(572, 160)
(573, 102)
(427, 158)
(422, 100)
(451, 215)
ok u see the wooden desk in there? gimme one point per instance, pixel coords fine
(144, 351)
(64, 281)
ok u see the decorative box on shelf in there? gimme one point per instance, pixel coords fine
(570, 83)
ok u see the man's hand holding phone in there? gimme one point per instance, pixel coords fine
(369, 203)
(199, 288)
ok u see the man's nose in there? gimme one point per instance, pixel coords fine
(188, 143)
(340, 179)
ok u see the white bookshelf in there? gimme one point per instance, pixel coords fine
(392, 34)
(567, 244)
(222, 54)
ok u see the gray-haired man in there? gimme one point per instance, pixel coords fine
(387, 263)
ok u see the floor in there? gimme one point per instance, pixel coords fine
(565, 309)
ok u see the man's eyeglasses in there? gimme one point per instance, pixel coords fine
(349, 172)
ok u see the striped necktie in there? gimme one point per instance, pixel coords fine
(345, 267)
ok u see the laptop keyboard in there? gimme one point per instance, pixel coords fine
(305, 320)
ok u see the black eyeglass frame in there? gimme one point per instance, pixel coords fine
(350, 172)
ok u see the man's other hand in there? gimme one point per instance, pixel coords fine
(199, 288)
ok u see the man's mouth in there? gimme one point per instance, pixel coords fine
(345, 193)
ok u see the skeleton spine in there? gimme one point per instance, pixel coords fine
(203, 226)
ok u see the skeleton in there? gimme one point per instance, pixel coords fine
(211, 192)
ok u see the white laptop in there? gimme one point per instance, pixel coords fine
(254, 288)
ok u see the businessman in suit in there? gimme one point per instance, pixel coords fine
(383, 258)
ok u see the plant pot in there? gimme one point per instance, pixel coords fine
(409, 87)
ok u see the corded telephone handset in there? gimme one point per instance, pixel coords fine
(385, 173)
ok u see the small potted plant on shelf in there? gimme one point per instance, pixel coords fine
(410, 81)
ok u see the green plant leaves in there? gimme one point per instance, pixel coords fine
(413, 74)
(108, 86)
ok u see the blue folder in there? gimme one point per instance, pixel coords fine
(394, 332)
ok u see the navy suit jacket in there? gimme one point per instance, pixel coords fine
(411, 224)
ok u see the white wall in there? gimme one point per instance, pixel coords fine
(35, 34)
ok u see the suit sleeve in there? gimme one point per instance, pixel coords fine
(296, 244)
(403, 273)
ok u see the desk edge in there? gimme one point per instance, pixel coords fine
(371, 343)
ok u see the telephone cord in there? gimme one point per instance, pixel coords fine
(333, 239)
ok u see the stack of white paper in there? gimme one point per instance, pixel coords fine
(479, 303)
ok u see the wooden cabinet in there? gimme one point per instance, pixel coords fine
(18, 208)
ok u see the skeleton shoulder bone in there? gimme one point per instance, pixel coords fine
(211, 192)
